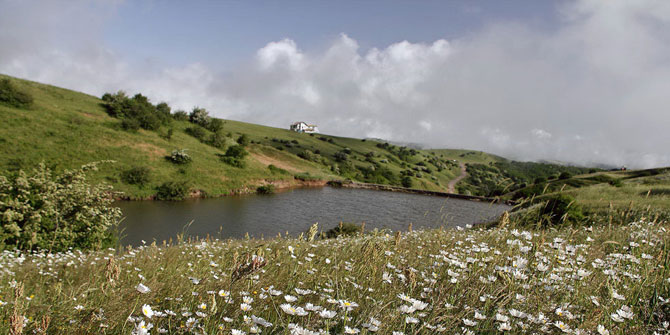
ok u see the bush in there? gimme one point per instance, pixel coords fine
(137, 108)
(341, 156)
(180, 115)
(243, 140)
(616, 183)
(179, 157)
(274, 169)
(14, 97)
(43, 211)
(234, 156)
(305, 176)
(163, 111)
(236, 151)
(138, 175)
(561, 208)
(232, 161)
(197, 132)
(172, 190)
(215, 125)
(217, 140)
(565, 175)
(130, 125)
(309, 155)
(199, 116)
(345, 229)
(407, 182)
(265, 189)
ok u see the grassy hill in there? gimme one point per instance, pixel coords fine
(609, 191)
(66, 129)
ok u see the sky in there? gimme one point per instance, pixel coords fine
(584, 82)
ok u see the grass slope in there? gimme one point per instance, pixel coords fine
(613, 194)
(67, 129)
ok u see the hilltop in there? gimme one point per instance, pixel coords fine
(67, 129)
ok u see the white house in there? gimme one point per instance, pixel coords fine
(303, 127)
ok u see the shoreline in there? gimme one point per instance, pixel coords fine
(390, 188)
(285, 185)
(279, 185)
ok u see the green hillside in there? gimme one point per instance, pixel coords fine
(609, 192)
(66, 129)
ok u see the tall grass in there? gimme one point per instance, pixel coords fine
(559, 280)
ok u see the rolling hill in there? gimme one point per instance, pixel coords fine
(66, 129)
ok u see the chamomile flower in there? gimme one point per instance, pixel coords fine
(147, 311)
(142, 288)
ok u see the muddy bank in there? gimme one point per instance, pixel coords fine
(389, 188)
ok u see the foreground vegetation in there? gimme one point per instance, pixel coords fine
(596, 279)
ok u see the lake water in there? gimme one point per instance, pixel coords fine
(294, 211)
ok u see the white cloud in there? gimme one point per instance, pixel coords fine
(593, 90)
(541, 134)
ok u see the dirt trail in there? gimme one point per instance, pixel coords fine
(451, 188)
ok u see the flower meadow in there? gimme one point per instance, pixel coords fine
(567, 280)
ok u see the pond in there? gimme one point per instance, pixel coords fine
(294, 211)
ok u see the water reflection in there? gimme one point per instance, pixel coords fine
(294, 211)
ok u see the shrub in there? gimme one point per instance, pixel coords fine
(265, 189)
(172, 190)
(132, 125)
(234, 156)
(561, 208)
(305, 176)
(137, 108)
(309, 155)
(243, 140)
(274, 169)
(43, 211)
(179, 157)
(168, 134)
(407, 182)
(215, 125)
(163, 111)
(232, 161)
(197, 132)
(236, 151)
(345, 229)
(217, 140)
(180, 115)
(138, 175)
(341, 156)
(14, 97)
(565, 175)
(199, 116)
(616, 183)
